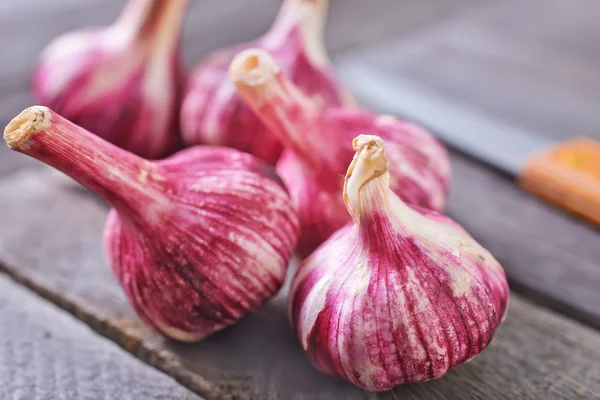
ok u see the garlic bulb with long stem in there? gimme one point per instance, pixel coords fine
(398, 295)
(197, 240)
(212, 113)
(318, 149)
(123, 82)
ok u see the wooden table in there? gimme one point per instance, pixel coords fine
(533, 62)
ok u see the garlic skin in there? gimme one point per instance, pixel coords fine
(318, 149)
(212, 112)
(123, 82)
(196, 240)
(398, 295)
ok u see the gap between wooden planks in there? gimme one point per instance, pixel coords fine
(50, 240)
(46, 353)
(69, 270)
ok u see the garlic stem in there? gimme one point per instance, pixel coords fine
(116, 175)
(280, 105)
(367, 181)
(157, 23)
(307, 16)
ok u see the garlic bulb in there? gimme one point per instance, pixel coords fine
(197, 240)
(124, 82)
(318, 148)
(212, 113)
(398, 295)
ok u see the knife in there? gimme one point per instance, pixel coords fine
(564, 173)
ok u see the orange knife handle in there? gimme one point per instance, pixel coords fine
(567, 175)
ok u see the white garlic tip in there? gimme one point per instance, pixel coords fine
(28, 122)
(253, 67)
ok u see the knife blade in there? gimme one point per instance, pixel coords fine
(564, 173)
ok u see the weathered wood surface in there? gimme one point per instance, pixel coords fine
(50, 239)
(506, 57)
(45, 353)
(538, 70)
(534, 63)
(209, 25)
(547, 254)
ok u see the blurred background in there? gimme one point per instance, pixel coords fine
(533, 62)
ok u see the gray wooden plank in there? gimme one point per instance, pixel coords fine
(547, 254)
(45, 353)
(40, 7)
(536, 354)
(359, 23)
(537, 70)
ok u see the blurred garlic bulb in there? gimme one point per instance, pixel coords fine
(212, 112)
(123, 82)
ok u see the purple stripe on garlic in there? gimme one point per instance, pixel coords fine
(400, 294)
(197, 240)
(317, 147)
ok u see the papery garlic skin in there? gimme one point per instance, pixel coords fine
(318, 148)
(123, 82)
(398, 295)
(196, 240)
(212, 112)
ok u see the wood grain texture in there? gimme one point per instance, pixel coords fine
(547, 254)
(45, 353)
(539, 71)
(535, 69)
(536, 353)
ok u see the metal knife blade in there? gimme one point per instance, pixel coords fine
(491, 140)
(564, 173)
